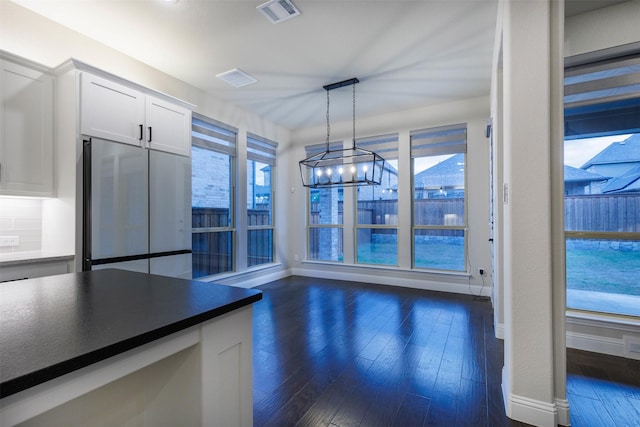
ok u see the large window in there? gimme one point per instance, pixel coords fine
(439, 203)
(261, 163)
(325, 222)
(377, 207)
(602, 186)
(213, 158)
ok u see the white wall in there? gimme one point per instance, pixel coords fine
(602, 29)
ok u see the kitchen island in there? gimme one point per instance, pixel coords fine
(113, 347)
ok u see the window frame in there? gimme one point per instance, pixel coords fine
(311, 150)
(263, 150)
(231, 226)
(602, 85)
(386, 146)
(440, 148)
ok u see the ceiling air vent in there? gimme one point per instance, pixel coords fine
(236, 77)
(278, 10)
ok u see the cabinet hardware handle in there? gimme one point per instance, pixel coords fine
(140, 133)
(149, 134)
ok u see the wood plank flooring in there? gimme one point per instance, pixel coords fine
(332, 353)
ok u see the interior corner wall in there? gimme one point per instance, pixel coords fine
(528, 373)
(497, 167)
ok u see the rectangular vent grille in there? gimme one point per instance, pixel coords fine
(277, 11)
(236, 77)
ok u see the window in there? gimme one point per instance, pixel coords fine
(261, 163)
(439, 203)
(377, 207)
(602, 186)
(325, 221)
(213, 158)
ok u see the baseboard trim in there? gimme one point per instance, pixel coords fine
(403, 279)
(531, 411)
(253, 278)
(564, 416)
(595, 343)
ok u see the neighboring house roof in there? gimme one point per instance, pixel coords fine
(572, 174)
(629, 182)
(447, 173)
(618, 152)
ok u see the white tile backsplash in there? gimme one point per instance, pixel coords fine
(22, 218)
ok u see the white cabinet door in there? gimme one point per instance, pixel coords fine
(111, 111)
(168, 127)
(26, 138)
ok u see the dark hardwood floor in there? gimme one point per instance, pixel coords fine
(332, 353)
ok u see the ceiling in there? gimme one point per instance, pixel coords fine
(405, 53)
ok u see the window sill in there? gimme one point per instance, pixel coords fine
(611, 321)
(447, 273)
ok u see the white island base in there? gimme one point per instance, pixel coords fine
(201, 376)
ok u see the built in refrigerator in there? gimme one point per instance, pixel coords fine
(137, 209)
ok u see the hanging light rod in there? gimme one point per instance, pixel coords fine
(343, 83)
(342, 167)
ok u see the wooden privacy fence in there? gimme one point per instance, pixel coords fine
(212, 250)
(602, 212)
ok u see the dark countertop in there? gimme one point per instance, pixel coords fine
(51, 326)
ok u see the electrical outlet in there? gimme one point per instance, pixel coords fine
(481, 271)
(9, 241)
(631, 346)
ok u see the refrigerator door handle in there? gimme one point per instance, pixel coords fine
(149, 134)
(86, 208)
(141, 130)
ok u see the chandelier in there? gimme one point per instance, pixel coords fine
(346, 167)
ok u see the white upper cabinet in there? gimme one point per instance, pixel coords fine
(117, 112)
(111, 111)
(26, 129)
(168, 126)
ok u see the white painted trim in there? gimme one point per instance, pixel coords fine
(393, 277)
(499, 331)
(595, 343)
(533, 411)
(252, 278)
(530, 411)
(564, 415)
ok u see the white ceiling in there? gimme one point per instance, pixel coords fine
(405, 53)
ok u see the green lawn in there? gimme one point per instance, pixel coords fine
(438, 256)
(604, 271)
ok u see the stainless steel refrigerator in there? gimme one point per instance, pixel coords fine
(137, 209)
